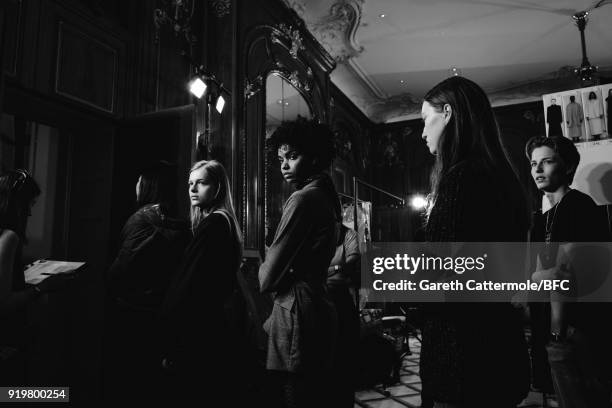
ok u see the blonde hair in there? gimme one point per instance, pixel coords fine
(216, 174)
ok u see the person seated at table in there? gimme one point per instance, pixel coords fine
(18, 194)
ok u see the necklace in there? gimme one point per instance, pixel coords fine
(550, 221)
(550, 250)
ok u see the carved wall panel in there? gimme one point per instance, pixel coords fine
(87, 69)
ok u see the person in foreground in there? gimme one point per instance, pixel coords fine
(151, 244)
(301, 327)
(575, 335)
(473, 354)
(203, 308)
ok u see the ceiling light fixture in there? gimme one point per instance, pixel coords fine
(454, 71)
(382, 15)
(585, 71)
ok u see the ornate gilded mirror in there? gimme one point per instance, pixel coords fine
(286, 75)
(283, 103)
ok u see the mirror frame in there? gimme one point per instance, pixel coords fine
(276, 50)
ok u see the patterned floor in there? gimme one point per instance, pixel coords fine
(407, 393)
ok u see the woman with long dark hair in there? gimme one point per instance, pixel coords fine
(151, 244)
(473, 355)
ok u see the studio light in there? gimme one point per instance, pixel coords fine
(418, 202)
(197, 87)
(220, 104)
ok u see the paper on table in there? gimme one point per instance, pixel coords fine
(43, 268)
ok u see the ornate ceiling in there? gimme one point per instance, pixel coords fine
(390, 52)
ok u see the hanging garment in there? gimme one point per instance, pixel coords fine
(574, 119)
(594, 114)
(554, 119)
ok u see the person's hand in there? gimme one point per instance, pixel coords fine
(55, 283)
(519, 300)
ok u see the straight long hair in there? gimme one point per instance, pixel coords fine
(216, 176)
(158, 186)
(472, 134)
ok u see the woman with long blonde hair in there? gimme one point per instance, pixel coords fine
(204, 304)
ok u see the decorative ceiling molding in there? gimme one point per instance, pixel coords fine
(558, 81)
(407, 107)
(366, 79)
(336, 30)
(373, 84)
(394, 106)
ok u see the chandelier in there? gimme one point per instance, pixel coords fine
(585, 71)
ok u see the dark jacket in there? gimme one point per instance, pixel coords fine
(198, 324)
(151, 247)
(577, 218)
(301, 325)
(474, 353)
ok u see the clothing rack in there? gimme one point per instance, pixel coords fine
(356, 200)
(350, 197)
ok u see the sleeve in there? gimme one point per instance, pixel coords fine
(137, 234)
(291, 234)
(351, 244)
(199, 267)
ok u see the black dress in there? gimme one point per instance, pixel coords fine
(554, 119)
(474, 354)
